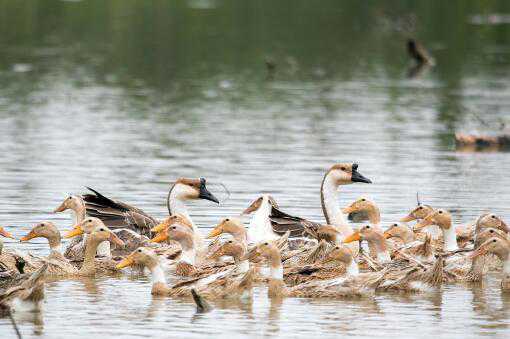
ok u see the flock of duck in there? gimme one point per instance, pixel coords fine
(292, 256)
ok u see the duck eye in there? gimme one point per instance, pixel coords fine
(493, 216)
(140, 250)
(101, 229)
(230, 241)
(337, 248)
(227, 219)
(494, 240)
(69, 198)
(491, 231)
(394, 225)
(367, 227)
(174, 228)
(266, 244)
(363, 199)
(420, 208)
(440, 212)
(342, 168)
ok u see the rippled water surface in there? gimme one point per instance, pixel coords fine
(126, 96)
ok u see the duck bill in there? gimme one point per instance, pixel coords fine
(424, 223)
(215, 232)
(408, 218)
(126, 262)
(253, 207)
(160, 237)
(159, 227)
(29, 236)
(76, 231)
(205, 194)
(348, 209)
(114, 239)
(478, 252)
(356, 236)
(387, 235)
(60, 208)
(6, 234)
(358, 177)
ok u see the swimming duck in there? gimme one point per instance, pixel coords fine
(345, 286)
(376, 242)
(76, 247)
(403, 233)
(57, 263)
(500, 248)
(260, 228)
(233, 227)
(27, 296)
(370, 208)
(97, 233)
(9, 259)
(336, 176)
(224, 284)
(443, 219)
(116, 214)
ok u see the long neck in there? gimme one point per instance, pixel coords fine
(275, 266)
(450, 239)
(88, 266)
(79, 213)
(189, 253)
(177, 206)
(332, 211)
(55, 243)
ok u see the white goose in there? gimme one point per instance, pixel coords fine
(336, 176)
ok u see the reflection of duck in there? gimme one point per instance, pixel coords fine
(336, 176)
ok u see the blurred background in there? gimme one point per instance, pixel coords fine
(126, 96)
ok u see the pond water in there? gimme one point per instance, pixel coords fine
(126, 96)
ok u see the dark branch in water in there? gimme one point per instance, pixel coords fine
(202, 304)
(13, 322)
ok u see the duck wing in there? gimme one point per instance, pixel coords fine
(298, 227)
(116, 214)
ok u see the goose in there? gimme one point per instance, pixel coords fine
(345, 286)
(260, 228)
(376, 242)
(500, 248)
(224, 284)
(27, 296)
(116, 214)
(336, 176)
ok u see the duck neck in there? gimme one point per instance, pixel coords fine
(79, 213)
(88, 266)
(450, 238)
(407, 236)
(189, 252)
(352, 268)
(55, 243)
(379, 246)
(1, 245)
(275, 268)
(157, 274)
(330, 207)
(104, 250)
(506, 262)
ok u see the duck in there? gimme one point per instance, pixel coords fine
(419, 213)
(338, 261)
(376, 242)
(116, 214)
(27, 296)
(260, 228)
(234, 227)
(97, 232)
(500, 248)
(443, 219)
(358, 285)
(76, 247)
(189, 259)
(7, 261)
(403, 233)
(365, 205)
(223, 284)
(57, 264)
(336, 176)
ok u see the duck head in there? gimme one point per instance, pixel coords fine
(171, 220)
(231, 226)
(399, 231)
(72, 202)
(440, 217)
(497, 246)
(491, 220)
(47, 230)
(141, 256)
(418, 213)
(230, 248)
